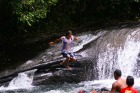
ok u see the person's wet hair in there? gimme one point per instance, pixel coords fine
(130, 81)
(68, 32)
(118, 72)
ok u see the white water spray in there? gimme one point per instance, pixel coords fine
(85, 39)
(122, 57)
(127, 57)
(22, 81)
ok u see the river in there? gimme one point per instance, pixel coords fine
(99, 54)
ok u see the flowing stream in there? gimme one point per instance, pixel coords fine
(109, 49)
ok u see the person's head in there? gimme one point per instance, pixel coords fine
(117, 74)
(69, 34)
(130, 81)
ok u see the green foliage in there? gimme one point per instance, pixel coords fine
(30, 11)
(31, 15)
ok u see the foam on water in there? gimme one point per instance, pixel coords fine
(85, 39)
(56, 91)
(123, 58)
(29, 61)
(127, 57)
(87, 85)
(22, 81)
(90, 85)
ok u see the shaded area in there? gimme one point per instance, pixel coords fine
(54, 73)
(18, 50)
(47, 15)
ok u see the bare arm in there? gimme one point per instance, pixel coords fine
(57, 40)
(113, 89)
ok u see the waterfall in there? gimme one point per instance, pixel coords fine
(127, 57)
(123, 56)
(102, 53)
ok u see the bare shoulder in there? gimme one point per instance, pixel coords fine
(116, 85)
(113, 89)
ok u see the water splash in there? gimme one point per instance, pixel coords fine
(56, 91)
(121, 57)
(85, 39)
(127, 57)
(22, 81)
(88, 86)
(106, 63)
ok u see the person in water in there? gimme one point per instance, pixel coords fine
(83, 91)
(129, 88)
(67, 48)
(119, 83)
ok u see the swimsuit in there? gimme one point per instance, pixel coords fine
(67, 46)
(129, 90)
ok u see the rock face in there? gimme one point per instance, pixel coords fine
(58, 74)
(53, 72)
(95, 60)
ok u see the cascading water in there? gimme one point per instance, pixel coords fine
(22, 81)
(127, 57)
(108, 50)
(121, 57)
(85, 39)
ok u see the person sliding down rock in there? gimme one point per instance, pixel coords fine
(67, 48)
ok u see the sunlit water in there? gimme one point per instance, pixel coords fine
(122, 57)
